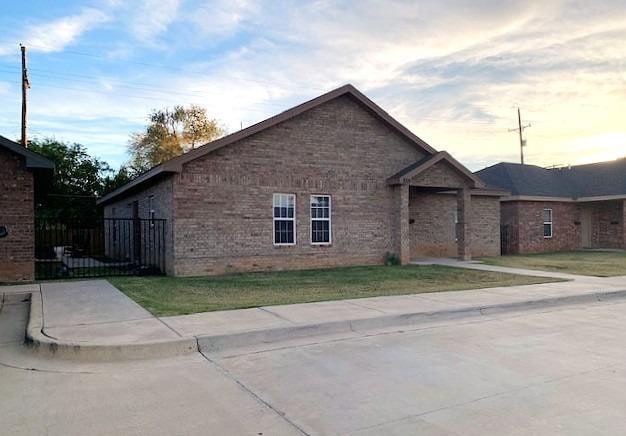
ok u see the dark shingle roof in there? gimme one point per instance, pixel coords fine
(598, 179)
(33, 160)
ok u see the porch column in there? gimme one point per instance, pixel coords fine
(464, 203)
(401, 223)
(623, 220)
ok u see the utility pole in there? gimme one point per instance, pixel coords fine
(520, 130)
(25, 86)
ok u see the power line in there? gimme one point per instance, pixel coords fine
(186, 68)
(196, 94)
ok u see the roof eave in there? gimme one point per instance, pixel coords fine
(176, 164)
(32, 159)
(404, 176)
(135, 183)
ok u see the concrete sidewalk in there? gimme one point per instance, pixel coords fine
(95, 311)
(94, 316)
(93, 320)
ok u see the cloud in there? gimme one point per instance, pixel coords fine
(221, 18)
(454, 72)
(153, 18)
(55, 35)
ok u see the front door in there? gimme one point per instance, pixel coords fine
(585, 231)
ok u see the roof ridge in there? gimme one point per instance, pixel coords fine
(175, 164)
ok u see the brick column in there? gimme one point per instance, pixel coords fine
(464, 203)
(401, 235)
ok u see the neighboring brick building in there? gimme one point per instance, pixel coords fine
(560, 209)
(334, 181)
(19, 170)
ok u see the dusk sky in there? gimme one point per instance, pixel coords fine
(453, 72)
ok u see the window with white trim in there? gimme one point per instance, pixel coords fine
(547, 223)
(284, 219)
(456, 224)
(151, 211)
(321, 228)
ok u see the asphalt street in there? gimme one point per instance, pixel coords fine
(561, 371)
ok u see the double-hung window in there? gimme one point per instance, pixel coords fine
(547, 223)
(151, 211)
(284, 219)
(321, 229)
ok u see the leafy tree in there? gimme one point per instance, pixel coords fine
(111, 183)
(78, 180)
(171, 132)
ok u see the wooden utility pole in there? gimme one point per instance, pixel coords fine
(25, 86)
(520, 130)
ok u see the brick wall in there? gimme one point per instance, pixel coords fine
(17, 250)
(432, 228)
(485, 226)
(607, 224)
(120, 244)
(442, 174)
(525, 219)
(223, 201)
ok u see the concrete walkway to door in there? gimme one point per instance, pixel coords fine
(475, 264)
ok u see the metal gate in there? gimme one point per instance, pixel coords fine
(107, 247)
(506, 239)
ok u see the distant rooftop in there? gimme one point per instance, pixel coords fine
(591, 180)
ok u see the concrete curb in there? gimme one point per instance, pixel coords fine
(45, 346)
(219, 343)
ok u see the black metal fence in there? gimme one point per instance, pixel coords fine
(107, 247)
(507, 241)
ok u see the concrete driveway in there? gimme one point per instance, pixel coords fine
(557, 372)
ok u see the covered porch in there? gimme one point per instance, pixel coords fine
(432, 213)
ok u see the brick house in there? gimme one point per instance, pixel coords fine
(20, 173)
(334, 181)
(560, 209)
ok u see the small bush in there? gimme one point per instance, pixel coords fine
(391, 259)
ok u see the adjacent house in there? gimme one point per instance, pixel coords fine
(21, 172)
(558, 209)
(334, 181)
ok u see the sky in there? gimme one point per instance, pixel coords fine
(452, 71)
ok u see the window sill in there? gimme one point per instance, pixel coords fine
(321, 244)
(284, 245)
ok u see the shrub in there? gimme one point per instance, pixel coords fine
(391, 259)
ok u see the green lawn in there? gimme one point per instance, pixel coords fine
(178, 296)
(590, 263)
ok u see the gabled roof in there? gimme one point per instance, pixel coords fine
(423, 164)
(175, 165)
(581, 181)
(33, 160)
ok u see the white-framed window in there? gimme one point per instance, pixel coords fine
(284, 219)
(456, 224)
(547, 223)
(321, 225)
(151, 212)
